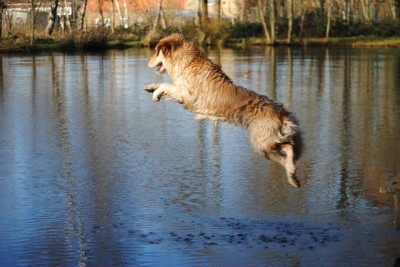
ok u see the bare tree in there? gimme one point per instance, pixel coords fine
(302, 18)
(218, 9)
(65, 24)
(272, 20)
(242, 10)
(201, 13)
(101, 24)
(121, 19)
(112, 16)
(125, 15)
(52, 17)
(33, 5)
(364, 5)
(328, 18)
(290, 20)
(2, 7)
(392, 6)
(261, 8)
(160, 17)
(81, 13)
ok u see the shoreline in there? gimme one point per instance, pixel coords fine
(17, 44)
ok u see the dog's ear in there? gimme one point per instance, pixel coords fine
(169, 44)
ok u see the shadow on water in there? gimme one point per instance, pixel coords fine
(93, 172)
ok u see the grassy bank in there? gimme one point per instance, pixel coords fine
(360, 41)
(98, 40)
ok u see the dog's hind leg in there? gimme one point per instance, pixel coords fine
(290, 165)
(285, 157)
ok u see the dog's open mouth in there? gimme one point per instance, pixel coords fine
(158, 67)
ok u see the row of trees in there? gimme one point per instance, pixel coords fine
(315, 17)
(57, 8)
(283, 19)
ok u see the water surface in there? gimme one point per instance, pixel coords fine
(92, 172)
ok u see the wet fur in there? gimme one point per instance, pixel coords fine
(203, 88)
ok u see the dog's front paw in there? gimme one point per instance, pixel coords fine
(151, 87)
(157, 95)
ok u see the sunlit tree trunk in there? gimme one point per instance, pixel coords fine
(328, 18)
(99, 2)
(160, 17)
(242, 14)
(290, 20)
(392, 6)
(302, 18)
(261, 8)
(272, 20)
(64, 18)
(121, 19)
(126, 23)
(52, 17)
(197, 18)
(112, 16)
(364, 9)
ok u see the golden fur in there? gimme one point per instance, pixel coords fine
(203, 88)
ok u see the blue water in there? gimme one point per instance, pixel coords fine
(94, 173)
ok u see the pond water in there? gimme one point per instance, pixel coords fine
(93, 173)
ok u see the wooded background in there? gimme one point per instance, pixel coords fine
(271, 19)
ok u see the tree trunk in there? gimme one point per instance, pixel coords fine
(121, 19)
(32, 37)
(302, 18)
(272, 21)
(197, 19)
(126, 24)
(242, 14)
(160, 17)
(112, 16)
(203, 12)
(290, 21)
(328, 19)
(261, 8)
(392, 6)
(64, 18)
(83, 14)
(1, 17)
(364, 9)
(52, 18)
(101, 24)
(218, 9)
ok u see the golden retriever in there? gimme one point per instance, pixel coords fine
(203, 88)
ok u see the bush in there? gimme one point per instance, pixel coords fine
(244, 30)
(384, 28)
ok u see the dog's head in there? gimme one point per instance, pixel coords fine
(163, 52)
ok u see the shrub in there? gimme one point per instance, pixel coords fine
(243, 30)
